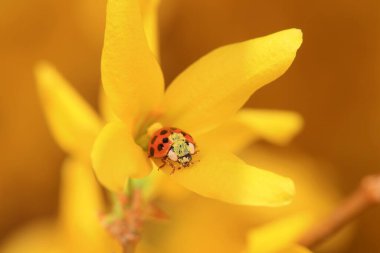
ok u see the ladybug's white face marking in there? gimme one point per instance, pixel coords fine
(191, 148)
(172, 156)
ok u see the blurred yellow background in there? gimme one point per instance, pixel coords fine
(333, 83)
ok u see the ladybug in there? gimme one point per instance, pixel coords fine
(172, 145)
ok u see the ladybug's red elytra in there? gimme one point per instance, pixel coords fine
(172, 145)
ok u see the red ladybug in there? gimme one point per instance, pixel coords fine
(172, 145)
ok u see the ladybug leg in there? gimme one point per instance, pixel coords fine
(173, 167)
(193, 162)
(163, 160)
(166, 161)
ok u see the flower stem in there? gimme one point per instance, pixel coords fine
(363, 198)
(124, 223)
(129, 248)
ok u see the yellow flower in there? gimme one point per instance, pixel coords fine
(202, 98)
(75, 125)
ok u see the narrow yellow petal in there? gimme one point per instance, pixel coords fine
(211, 90)
(295, 249)
(132, 78)
(73, 122)
(275, 126)
(279, 235)
(248, 125)
(149, 9)
(37, 237)
(116, 157)
(221, 175)
(81, 203)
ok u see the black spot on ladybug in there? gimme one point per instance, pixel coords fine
(183, 133)
(165, 140)
(154, 139)
(151, 151)
(160, 147)
(163, 132)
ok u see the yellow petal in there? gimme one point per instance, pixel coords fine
(279, 235)
(105, 108)
(116, 157)
(248, 125)
(149, 9)
(73, 122)
(37, 237)
(81, 203)
(276, 126)
(210, 226)
(211, 90)
(132, 78)
(295, 249)
(221, 175)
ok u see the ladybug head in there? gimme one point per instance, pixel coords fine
(185, 160)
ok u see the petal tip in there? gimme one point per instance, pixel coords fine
(294, 38)
(44, 72)
(299, 122)
(284, 192)
(41, 67)
(295, 126)
(289, 190)
(297, 35)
